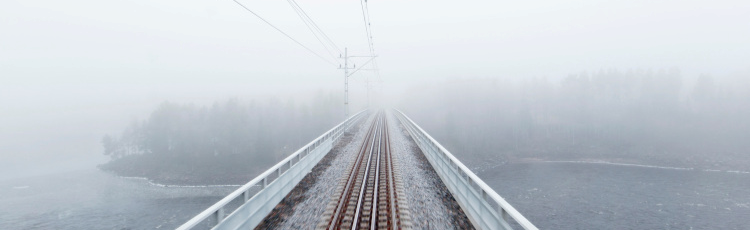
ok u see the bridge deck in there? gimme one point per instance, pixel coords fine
(430, 204)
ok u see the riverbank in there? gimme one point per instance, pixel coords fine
(181, 171)
(690, 159)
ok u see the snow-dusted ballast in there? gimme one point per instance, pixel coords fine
(252, 202)
(484, 207)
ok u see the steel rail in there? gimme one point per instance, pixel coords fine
(376, 181)
(368, 197)
(346, 194)
(363, 187)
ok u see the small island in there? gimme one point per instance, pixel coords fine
(225, 143)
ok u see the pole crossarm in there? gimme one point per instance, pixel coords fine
(360, 67)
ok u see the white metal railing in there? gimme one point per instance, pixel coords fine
(484, 207)
(275, 183)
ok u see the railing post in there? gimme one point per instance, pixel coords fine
(219, 215)
(246, 195)
(505, 215)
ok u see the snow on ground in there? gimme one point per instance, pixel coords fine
(303, 208)
(432, 205)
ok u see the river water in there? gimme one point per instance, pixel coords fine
(92, 199)
(577, 195)
(553, 195)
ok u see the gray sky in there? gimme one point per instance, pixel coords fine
(71, 71)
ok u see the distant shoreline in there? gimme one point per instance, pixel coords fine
(153, 183)
(635, 164)
(180, 173)
(172, 183)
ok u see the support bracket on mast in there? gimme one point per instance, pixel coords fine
(347, 75)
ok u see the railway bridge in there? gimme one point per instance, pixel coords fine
(375, 170)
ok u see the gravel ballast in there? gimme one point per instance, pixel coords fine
(431, 204)
(305, 204)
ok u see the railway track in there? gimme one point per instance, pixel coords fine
(368, 196)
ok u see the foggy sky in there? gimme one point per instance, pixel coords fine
(71, 71)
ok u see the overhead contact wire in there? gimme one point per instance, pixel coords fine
(308, 22)
(282, 32)
(325, 36)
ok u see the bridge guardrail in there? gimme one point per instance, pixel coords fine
(484, 207)
(275, 183)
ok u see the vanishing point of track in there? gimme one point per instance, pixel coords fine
(368, 198)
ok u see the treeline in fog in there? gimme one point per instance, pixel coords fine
(627, 116)
(226, 142)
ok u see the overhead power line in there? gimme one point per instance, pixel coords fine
(368, 29)
(282, 32)
(314, 29)
(333, 44)
(366, 19)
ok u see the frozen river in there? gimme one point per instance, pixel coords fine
(92, 199)
(553, 195)
(575, 195)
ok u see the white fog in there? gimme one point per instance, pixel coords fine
(657, 83)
